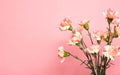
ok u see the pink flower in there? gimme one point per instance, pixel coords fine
(116, 21)
(117, 29)
(97, 35)
(93, 49)
(82, 23)
(80, 29)
(110, 13)
(111, 52)
(73, 41)
(75, 38)
(105, 35)
(61, 53)
(65, 24)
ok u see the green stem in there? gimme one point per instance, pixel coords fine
(90, 36)
(84, 47)
(104, 66)
(101, 64)
(108, 62)
(88, 55)
(92, 65)
(83, 43)
(80, 60)
(98, 64)
(109, 32)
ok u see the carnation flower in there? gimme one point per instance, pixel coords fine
(117, 30)
(75, 38)
(62, 53)
(111, 52)
(97, 35)
(110, 14)
(116, 22)
(97, 60)
(93, 49)
(105, 36)
(65, 24)
(84, 24)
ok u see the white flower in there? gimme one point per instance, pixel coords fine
(64, 28)
(75, 39)
(65, 24)
(82, 23)
(93, 49)
(110, 13)
(111, 52)
(97, 35)
(62, 53)
(116, 21)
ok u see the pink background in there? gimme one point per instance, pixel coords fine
(29, 35)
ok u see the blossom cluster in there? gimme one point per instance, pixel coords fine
(99, 57)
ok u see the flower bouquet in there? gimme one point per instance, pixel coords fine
(97, 57)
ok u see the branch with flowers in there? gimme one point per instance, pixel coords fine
(97, 58)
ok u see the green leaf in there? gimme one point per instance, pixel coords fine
(86, 26)
(66, 54)
(98, 41)
(107, 39)
(70, 28)
(81, 48)
(115, 35)
(78, 44)
(102, 58)
(90, 62)
(105, 59)
(109, 20)
(94, 54)
(98, 67)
